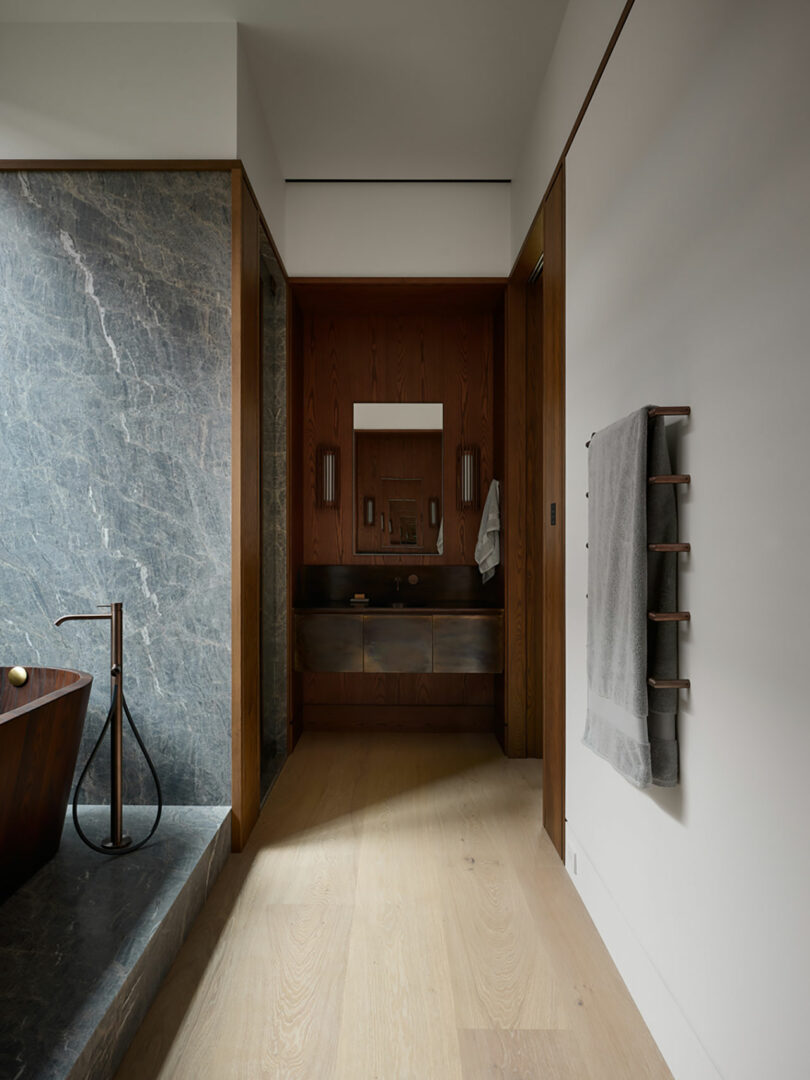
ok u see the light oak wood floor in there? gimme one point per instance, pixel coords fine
(398, 915)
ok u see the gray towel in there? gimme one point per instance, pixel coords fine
(488, 547)
(634, 731)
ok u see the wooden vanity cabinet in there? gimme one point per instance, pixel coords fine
(327, 642)
(398, 643)
(468, 644)
(402, 643)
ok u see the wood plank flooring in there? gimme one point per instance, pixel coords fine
(398, 914)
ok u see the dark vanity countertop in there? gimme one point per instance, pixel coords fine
(408, 609)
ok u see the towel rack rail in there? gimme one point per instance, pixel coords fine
(660, 410)
(670, 410)
(675, 478)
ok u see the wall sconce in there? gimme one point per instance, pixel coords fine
(327, 476)
(468, 478)
(433, 512)
(369, 515)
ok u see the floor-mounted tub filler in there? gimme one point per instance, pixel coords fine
(117, 843)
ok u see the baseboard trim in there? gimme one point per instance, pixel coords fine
(444, 718)
(676, 1039)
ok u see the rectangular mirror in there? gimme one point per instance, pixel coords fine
(398, 465)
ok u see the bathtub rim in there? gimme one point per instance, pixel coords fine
(83, 679)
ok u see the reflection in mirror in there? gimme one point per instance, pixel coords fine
(397, 478)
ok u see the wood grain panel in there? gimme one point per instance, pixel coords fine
(295, 512)
(436, 718)
(514, 523)
(246, 511)
(553, 454)
(499, 469)
(535, 510)
(399, 296)
(355, 351)
(324, 688)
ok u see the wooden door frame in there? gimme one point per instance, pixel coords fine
(247, 225)
(542, 548)
(544, 241)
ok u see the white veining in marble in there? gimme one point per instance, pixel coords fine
(115, 396)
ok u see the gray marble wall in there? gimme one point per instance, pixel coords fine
(274, 518)
(115, 311)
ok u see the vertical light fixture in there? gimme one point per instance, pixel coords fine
(327, 474)
(468, 478)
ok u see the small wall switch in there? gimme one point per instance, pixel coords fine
(571, 859)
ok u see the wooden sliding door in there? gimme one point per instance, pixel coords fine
(551, 636)
(536, 550)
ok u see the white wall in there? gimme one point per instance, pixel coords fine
(584, 34)
(688, 276)
(117, 90)
(254, 146)
(379, 230)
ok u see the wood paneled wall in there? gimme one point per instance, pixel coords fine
(536, 511)
(380, 455)
(552, 636)
(295, 496)
(403, 348)
(514, 522)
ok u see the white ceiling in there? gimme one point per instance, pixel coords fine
(372, 89)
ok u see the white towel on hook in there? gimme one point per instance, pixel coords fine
(488, 547)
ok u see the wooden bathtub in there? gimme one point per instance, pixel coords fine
(40, 731)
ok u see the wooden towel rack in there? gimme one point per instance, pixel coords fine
(661, 410)
(668, 548)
